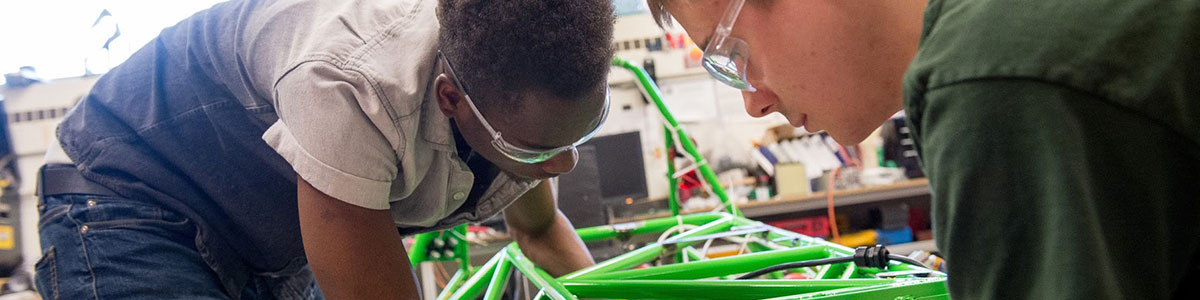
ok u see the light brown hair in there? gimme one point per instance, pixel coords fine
(658, 9)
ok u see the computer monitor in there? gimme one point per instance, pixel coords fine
(609, 170)
(621, 168)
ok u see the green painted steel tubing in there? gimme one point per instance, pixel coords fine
(833, 271)
(900, 289)
(454, 283)
(548, 284)
(851, 270)
(707, 289)
(624, 261)
(473, 286)
(834, 248)
(604, 232)
(495, 288)
(672, 182)
(719, 225)
(719, 266)
(693, 254)
(706, 171)
(649, 252)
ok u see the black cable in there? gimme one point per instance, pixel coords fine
(908, 260)
(798, 264)
(874, 257)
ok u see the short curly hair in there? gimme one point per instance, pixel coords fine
(501, 49)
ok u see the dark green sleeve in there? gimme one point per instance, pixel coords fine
(1044, 192)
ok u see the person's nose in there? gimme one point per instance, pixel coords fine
(759, 104)
(562, 163)
(762, 102)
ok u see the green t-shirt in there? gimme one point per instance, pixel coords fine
(1062, 144)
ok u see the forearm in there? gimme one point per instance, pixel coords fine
(345, 271)
(354, 253)
(557, 249)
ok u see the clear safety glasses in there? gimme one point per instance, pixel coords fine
(518, 153)
(726, 58)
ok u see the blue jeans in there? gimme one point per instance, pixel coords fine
(100, 247)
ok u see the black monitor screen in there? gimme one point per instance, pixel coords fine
(619, 162)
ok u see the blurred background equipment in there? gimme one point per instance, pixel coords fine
(10, 201)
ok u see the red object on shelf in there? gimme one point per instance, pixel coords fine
(688, 181)
(918, 219)
(811, 226)
(796, 276)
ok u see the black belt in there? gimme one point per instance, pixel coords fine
(66, 179)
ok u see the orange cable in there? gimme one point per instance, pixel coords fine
(829, 196)
(850, 161)
(441, 277)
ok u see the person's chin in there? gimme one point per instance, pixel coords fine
(842, 135)
(798, 121)
(849, 136)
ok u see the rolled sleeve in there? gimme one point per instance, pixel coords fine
(328, 130)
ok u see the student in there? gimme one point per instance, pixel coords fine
(1061, 138)
(193, 170)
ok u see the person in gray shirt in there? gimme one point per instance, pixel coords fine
(262, 146)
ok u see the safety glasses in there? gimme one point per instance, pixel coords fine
(514, 152)
(726, 58)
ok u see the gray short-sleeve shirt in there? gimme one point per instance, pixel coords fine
(357, 118)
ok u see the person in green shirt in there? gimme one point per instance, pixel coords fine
(1061, 138)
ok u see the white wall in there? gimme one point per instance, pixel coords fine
(708, 110)
(57, 36)
(30, 138)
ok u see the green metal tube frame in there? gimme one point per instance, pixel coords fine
(619, 277)
(628, 277)
(650, 90)
(672, 182)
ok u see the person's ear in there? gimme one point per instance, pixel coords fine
(449, 97)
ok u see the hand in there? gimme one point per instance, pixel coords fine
(544, 233)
